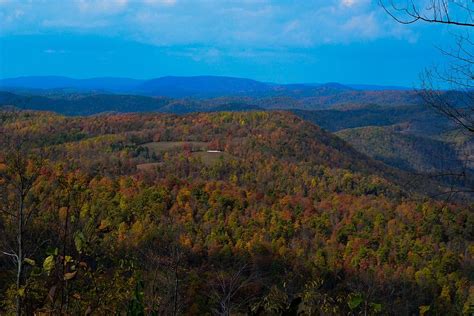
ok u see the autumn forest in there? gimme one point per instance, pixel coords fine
(231, 158)
(222, 213)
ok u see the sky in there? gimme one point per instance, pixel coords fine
(346, 41)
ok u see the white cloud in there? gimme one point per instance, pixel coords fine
(54, 51)
(351, 3)
(244, 24)
(160, 2)
(366, 25)
(348, 3)
(102, 6)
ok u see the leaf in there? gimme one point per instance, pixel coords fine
(355, 301)
(36, 271)
(31, 262)
(52, 251)
(21, 292)
(69, 275)
(376, 307)
(424, 309)
(79, 241)
(77, 296)
(67, 259)
(48, 264)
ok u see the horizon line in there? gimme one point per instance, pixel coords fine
(206, 75)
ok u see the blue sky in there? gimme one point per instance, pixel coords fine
(348, 41)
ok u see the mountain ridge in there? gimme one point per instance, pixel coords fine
(198, 86)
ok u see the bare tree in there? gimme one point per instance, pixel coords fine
(229, 289)
(448, 90)
(457, 13)
(458, 76)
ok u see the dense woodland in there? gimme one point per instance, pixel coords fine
(291, 220)
(183, 100)
(412, 138)
(402, 150)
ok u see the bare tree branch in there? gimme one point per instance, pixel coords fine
(438, 11)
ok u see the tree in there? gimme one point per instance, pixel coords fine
(458, 13)
(229, 285)
(18, 173)
(164, 262)
(448, 90)
(459, 74)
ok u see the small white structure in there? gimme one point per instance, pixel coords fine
(213, 151)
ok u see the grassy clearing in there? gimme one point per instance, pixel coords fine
(199, 150)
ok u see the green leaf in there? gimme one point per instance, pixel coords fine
(31, 262)
(424, 309)
(70, 275)
(36, 271)
(376, 307)
(79, 241)
(67, 259)
(21, 292)
(52, 251)
(48, 264)
(355, 301)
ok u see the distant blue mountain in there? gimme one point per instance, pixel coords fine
(203, 86)
(170, 86)
(38, 82)
(109, 84)
(377, 87)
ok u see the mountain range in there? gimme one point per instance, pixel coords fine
(177, 87)
(392, 126)
(187, 94)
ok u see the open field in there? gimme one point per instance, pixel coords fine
(199, 149)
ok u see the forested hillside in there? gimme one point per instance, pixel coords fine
(413, 138)
(186, 98)
(94, 103)
(258, 213)
(419, 120)
(402, 150)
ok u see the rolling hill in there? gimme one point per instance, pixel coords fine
(402, 150)
(95, 103)
(417, 120)
(134, 210)
(411, 138)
